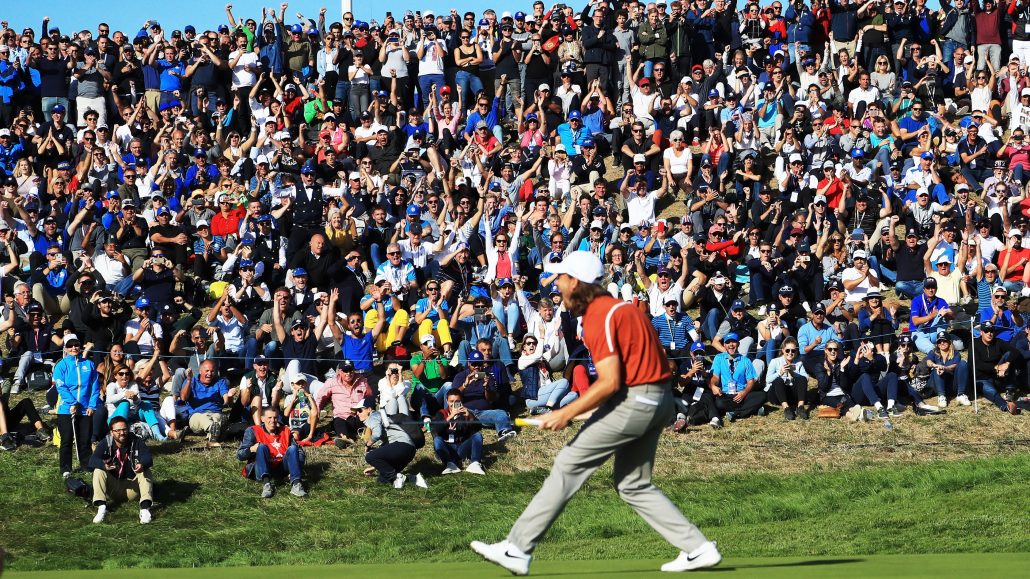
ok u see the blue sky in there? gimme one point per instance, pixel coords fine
(76, 15)
(175, 14)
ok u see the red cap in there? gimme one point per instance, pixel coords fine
(445, 89)
(643, 81)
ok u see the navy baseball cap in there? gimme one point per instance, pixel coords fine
(696, 346)
(475, 357)
(738, 305)
(300, 272)
(414, 211)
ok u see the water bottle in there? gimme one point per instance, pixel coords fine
(888, 425)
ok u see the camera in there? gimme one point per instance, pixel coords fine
(479, 311)
(394, 371)
(479, 376)
(456, 405)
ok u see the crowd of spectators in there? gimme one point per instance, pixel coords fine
(229, 228)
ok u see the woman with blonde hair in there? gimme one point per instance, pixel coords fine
(340, 230)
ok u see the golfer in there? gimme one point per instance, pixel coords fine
(634, 402)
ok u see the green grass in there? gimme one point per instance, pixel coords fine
(996, 566)
(207, 515)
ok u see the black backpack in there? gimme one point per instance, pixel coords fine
(77, 487)
(412, 428)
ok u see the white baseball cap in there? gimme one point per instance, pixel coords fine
(582, 265)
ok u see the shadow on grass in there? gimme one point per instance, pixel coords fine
(170, 491)
(314, 472)
(721, 568)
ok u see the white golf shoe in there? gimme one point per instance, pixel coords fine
(706, 555)
(506, 555)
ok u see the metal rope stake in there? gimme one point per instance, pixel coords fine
(972, 357)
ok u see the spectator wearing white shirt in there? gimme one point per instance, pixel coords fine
(640, 203)
(859, 279)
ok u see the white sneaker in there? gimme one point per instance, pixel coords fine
(475, 468)
(963, 400)
(506, 555)
(451, 468)
(706, 555)
(942, 401)
(399, 480)
(144, 516)
(511, 343)
(101, 513)
(420, 481)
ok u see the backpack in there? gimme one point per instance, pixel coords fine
(410, 427)
(39, 380)
(76, 487)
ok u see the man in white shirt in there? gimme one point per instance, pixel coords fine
(114, 267)
(859, 279)
(640, 203)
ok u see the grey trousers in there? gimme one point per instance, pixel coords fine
(627, 425)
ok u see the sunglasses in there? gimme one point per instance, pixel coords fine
(833, 349)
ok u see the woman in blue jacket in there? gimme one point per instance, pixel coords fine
(78, 386)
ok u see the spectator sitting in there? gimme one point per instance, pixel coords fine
(733, 382)
(121, 470)
(457, 437)
(541, 393)
(205, 396)
(269, 449)
(479, 392)
(345, 389)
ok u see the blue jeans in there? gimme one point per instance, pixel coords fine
(293, 463)
(909, 289)
(469, 85)
(426, 402)
(425, 83)
(954, 381)
(251, 347)
(122, 287)
(863, 391)
(888, 275)
(502, 351)
(990, 392)
(887, 387)
(1014, 287)
(498, 419)
(342, 95)
(948, 49)
(508, 316)
(470, 449)
(49, 102)
(710, 325)
(554, 395)
(377, 253)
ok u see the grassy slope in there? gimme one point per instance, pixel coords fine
(208, 515)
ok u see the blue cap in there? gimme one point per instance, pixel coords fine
(223, 28)
(713, 93)
(248, 239)
(300, 272)
(58, 108)
(169, 104)
(738, 305)
(731, 337)
(926, 155)
(263, 218)
(857, 153)
(531, 117)
(382, 94)
(112, 195)
(520, 15)
(64, 166)
(246, 263)
(461, 246)
(189, 28)
(484, 22)
(163, 211)
(414, 210)
(475, 356)
(505, 281)
(296, 29)
(142, 303)
(198, 152)
(697, 346)
(574, 114)
(587, 143)
(307, 170)
(495, 186)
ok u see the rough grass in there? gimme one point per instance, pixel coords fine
(759, 487)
